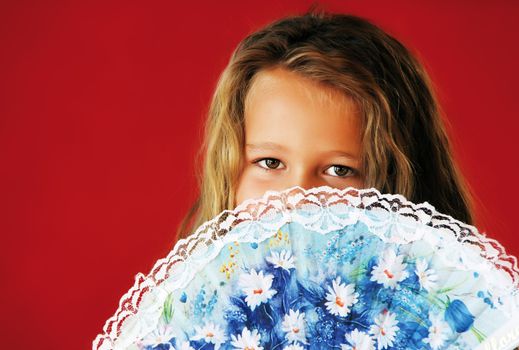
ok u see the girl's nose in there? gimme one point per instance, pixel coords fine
(306, 181)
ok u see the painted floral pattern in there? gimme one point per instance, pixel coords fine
(347, 289)
(352, 269)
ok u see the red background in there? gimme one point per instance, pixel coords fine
(101, 105)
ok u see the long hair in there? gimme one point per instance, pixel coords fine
(406, 148)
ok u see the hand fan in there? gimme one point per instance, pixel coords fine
(324, 268)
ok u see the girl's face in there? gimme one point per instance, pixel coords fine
(298, 132)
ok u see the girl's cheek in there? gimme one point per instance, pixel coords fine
(254, 176)
(259, 178)
(355, 182)
(253, 185)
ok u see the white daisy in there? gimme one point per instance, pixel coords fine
(256, 287)
(210, 333)
(384, 329)
(426, 277)
(340, 298)
(294, 325)
(293, 347)
(247, 340)
(160, 335)
(390, 269)
(358, 340)
(285, 260)
(438, 331)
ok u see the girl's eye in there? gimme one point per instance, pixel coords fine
(271, 163)
(342, 170)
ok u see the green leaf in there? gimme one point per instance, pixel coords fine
(168, 308)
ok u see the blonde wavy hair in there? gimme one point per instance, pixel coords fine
(406, 148)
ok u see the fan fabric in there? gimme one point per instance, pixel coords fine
(324, 268)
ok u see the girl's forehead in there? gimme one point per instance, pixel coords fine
(272, 83)
(294, 111)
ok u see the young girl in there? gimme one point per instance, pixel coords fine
(311, 100)
(325, 99)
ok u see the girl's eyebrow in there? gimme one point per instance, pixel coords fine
(265, 146)
(343, 154)
(275, 146)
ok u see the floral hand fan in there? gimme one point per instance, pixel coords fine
(324, 268)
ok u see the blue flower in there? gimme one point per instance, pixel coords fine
(458, 316)
(211, 303)
(410, 335)
(199, 305)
